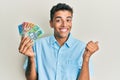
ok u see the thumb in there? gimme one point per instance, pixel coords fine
(96, 42)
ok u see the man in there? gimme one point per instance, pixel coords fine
(59, 56)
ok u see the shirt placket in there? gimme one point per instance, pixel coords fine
(58, 65)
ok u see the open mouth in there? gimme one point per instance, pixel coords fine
(63, 29)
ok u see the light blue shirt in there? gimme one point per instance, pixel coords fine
(58, 63)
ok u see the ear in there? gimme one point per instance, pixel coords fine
(51, 23)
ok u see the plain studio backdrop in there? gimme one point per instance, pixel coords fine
(97, 20)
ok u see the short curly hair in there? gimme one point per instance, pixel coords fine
(60, 6)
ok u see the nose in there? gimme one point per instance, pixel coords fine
(64, 23)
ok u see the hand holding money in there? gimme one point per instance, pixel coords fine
(25, 47)
(29, 33)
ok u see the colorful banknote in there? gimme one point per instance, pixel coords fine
(34, 31)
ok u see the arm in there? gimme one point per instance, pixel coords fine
(84, 74)
(31, 71)
(90, 49)
(25, 48)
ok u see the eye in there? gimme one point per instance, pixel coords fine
(57, 20)
(69, 20)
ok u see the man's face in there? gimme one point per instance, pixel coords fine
(62, 23)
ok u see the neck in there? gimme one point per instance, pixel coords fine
(61, 41)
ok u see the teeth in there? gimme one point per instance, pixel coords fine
(63, 30)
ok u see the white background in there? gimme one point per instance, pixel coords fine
(93, 20)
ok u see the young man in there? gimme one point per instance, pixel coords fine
(60, 56)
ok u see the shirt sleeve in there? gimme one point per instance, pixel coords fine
(26, 59)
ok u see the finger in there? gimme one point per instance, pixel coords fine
(27, 47)
(28, 54)
(93, 43)
(96, 42)
(26, 41)
(90, 42)
(92, 47)
(21, 42)
(23, 39)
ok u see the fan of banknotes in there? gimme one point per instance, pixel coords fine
(34, 31)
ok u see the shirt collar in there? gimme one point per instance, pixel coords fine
(52, 40)
(69, 42)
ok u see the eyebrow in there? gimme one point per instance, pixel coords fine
(61, 17)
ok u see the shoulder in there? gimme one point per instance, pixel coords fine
(79, 43)
(43, 40)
